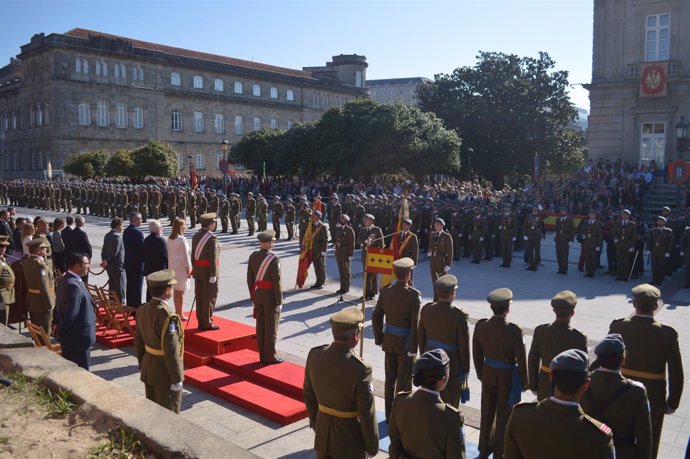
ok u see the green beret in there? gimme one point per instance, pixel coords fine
(208, 218)
(161, 278)
(646, 293)
(446, 283)
(570, 360)
(38, 242)
(435, 358)
(500, 296)
(346, 319)
(611, 344)
(403, 263)
(266, 236)
(564, 300)
(4, 240)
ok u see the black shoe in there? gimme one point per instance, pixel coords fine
(370, 297)
(273, 362)
(212, 327)
(339, 291)
(317, 286)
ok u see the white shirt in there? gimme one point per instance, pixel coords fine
(563, 402)
(433, 392)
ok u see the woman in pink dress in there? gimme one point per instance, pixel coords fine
(178, 261)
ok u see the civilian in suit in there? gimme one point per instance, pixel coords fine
(67, 235)
(5, 229)
(17, 235)
(113, 256)
(133, 240)
(74, 315)
(79, 242)
(155, 252)
(58, 245)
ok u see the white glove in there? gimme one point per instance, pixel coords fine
(514, 238)
(525, 237)
(597, 249)
(428, 254)
(323, 254)
(212, 280)
(349, 258)
(481, 239)
(176, 387)
(615, 240)
(648, 252)
(411, 354)
(631, 249)
(667, 255)
(446, 269)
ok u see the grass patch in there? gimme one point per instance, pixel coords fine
(59, 404)
(4, 440)
(121, 444)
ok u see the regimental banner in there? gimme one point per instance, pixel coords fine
(678, 171)
(380, 261)
(654, 79)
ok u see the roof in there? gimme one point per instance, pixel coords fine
(387, 81)
(85, 34)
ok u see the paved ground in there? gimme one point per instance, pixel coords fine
(304, 324)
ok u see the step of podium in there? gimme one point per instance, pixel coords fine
(231, 336)
(112, 338)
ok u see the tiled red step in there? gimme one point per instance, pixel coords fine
(230, 337)
(276, 406)
(195, 357)
(113, 339)
(286, 376)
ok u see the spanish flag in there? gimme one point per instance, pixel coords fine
(403, 213)
(380, 261)
(305, 257)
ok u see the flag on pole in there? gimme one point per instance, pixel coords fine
(194, 181)
(318, 204)
(305, 257)
(403, 213)
(50, 170)
(379, 261)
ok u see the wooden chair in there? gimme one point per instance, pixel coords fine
(40, 338)
(102, 316)
(117, 312)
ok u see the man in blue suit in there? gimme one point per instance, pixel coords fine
(74, 313)
(133, 240)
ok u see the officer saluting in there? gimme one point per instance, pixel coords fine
(557, 426)
(159, 343)
(421, 425)
(339, 393)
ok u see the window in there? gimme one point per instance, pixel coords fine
(4, 122)
(239, 125)
(358, 79)
(180, 161)
(657, 41)
(141, 73)
(289, 124)
(239, 87)
(274, 93)
(105, 68)
(198, 122)
(198, 82)
(32, 117)
(123, 71)
(653, 142)
(176, 120)
(84, 66)
(218, 85)
(116, 71)
(256, 90)
(290, 95)
(138, 117)
(257, 123)
(219, 124)
(46, 117)
(84, 114)
(135, 74)
(103, 114)
(200, 161)
(39, 115)
(121, 118)
(373, 92)
(14, 120)
(77, 65)
(175, 79)
(274, 123)
(98, 68)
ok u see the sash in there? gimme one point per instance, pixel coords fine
(434, 344)
(516, 386)
(395, 330)
(202, 244)
(404, 243)
(263, 267)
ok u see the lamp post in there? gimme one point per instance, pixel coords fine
(224, 149)
(189, 159)
(682, 136)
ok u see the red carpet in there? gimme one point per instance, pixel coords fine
(231, 336)
(112, 338)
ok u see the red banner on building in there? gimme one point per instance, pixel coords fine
(654, 79)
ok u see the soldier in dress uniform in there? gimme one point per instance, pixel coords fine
(685, 253)
(369, 236)
(319, 246)
(249, 212)
(659, 246)
(213, 201)
(261, 213)
(201, 204)
(445, 326)
(181, 205)
(408, 244)
(155, 204)
(624, 239)
(477, 231)
(290, 219)
(191, 208)
(619, 402)
(557, 426)
(592, 236)
(421, 424)
(276, 215)
(143, 203)
(498, 351)
(344, 252)
(41, 294)
(394, 323)
(263, 281)
(7, 297)
(304, 218)
(507, 228)
(234, 212)
(224, 209)
(565, 234)
(533, 233)
(652, 356)
(206, 263)
(549, 340)
(158, 343)
(440, 250)
(339, 393)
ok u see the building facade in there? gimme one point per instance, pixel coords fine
(85, 90)
(640, 85)
(396, 90)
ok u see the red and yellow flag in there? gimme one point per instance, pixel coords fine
(380, 261)
(305, 257)
(403, 213)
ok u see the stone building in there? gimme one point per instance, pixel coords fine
(396, 90)
(640, 85)
(84, 90)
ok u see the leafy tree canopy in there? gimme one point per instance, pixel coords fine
(154, 159)
(89, 164)
(120, 164)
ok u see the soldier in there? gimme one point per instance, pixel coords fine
(685, 253)
(444, 326)
(263, 281)
(41, 295)
(339, 393)
(565, 234)
(397, 306)
(191, 208)
(533, 234)
(7, 297)
(67, 196)
(319, 237)
(408, 244)
(369, 236)
(498, 351)
(205, 258)
(477, 232)
(143, 203)
(334, 212)
(507, 228)
(624, 238)
(592, 236)
(549, 340)
(421, 425)
(344, 251)
(290, 219)
(261, 213)
(155, 204)
(659, 246)
(158, 343)
(276, 215)
(557, 426)
(440, 250)
(201, 204)
(234, 212)
(619, 402)
(171, 201)
(213, 201)
(652, 350)
(224, 209)
(181, 205)
(490, 235)
(250, 211)
(304, 218)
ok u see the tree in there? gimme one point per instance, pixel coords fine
(154, 159)
(506, 109)
(258, 148)
(87, 165)
(120, 164)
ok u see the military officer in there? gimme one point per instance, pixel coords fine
(557, 426)
(533, 234)
(652, 357)
(565, 234)
(213, 201)
(445, 326)
(624, 239)
(408, 243)
(476, 233)
(171, 202)
(344, 252)
(191, 208)
(369, 236)
(41, 294)
(549, 340)
(619, 402)
(304, 218)
(7, 297)
(249, 212)
(339, 393)
(394, 323)
(224, 209)
(507, 228)
(206, 262)
(276, 215)
(263, 281)
(290, 219)
(334, 212)
(201, 204)
(261, 213)
(659, 246)
(440, 250)
(319, 235)
(155, 204)
(498, 351)
(143, 203)
(158, 343)
(421, 424)
(592, 237)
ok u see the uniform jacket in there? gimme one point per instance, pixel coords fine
(592, 233)
(159, 328)
(345, 241)
(660, 239)
(37, 279)
(6, 282)
(441, 248)
(565, 229)
(624, 233)
(319, 238)
(534, 226)
(372, 233)
(441, 321)
(264, 297)
(399, 304)
(498, 339)
(408, 246)
(210, 251)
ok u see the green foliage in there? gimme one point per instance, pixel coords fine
(154, 159)
(87, 165)
(60, 404)
(258, 147)
(572, 148)
(121, 444)
(505, 108)
(120, 164)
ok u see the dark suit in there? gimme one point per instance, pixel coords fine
(133, 240)
(67, 240)
(155, 256)
(76, 320)
(6, 231)
(17, 238)
(113, 253)
(79, 243)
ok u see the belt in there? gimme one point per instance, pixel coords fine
(434, 344)
(337, 413)
(545, 369)
(396, 330)
(154, 351)
(643, 374)
(263, 285)
(202, 263)
(35, 291)
(516, 385)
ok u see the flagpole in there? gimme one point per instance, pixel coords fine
(364, 316)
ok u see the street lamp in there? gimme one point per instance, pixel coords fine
(682, 136)
(224, 149)
(189, 159)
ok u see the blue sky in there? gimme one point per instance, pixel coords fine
(400, 38)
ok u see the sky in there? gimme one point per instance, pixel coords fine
(400, 38)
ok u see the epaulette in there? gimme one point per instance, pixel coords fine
(358, 358)
(600, 426)
(403, 394)
(481, 321)
(524, 404)
(427, 304)
(635, 383)
(452, 409)
(387, 286)
(323, 346)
